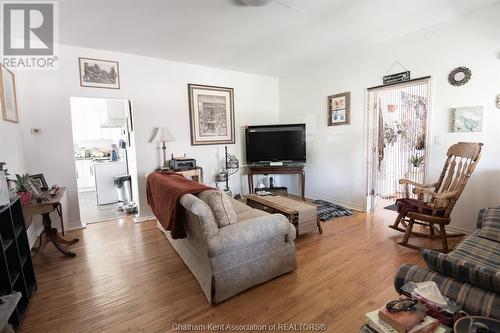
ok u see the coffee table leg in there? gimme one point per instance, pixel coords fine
(318, 222)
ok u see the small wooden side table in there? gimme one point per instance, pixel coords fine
(44, 208)
(196, 174)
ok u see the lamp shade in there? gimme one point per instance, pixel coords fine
(161, 134)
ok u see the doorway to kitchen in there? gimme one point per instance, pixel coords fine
(104, 156)
(397, 129)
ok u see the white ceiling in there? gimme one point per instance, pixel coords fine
(271, 40)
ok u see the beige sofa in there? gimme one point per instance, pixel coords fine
(227, 260)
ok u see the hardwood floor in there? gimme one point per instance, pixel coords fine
(127, 277)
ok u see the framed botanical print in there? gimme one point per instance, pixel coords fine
(211, 114)
(339, 109)
(96, 73)
(8, 99)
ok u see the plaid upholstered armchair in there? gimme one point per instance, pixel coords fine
(470, 274)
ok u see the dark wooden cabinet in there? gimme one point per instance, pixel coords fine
(16, 268)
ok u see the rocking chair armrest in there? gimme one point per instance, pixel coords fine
(445, 195)
(442, 195)
(411, 182)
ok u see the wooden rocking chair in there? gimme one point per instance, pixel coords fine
(461, 162)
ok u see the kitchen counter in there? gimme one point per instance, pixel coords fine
(108, 161)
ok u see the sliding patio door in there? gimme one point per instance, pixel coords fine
(397, 137)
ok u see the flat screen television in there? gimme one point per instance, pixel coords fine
(276, 143)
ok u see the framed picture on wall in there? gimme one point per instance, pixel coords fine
(211, 114)
(96, 73)
(339, 109)
(466, 119)
(8, 99)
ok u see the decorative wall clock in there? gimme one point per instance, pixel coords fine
(459, 76)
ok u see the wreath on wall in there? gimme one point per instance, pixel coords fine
(459, 76)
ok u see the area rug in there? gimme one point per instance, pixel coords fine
(392, 207)
(328, 211)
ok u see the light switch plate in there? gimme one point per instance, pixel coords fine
(438, 140)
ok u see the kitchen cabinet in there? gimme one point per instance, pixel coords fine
(88, 174)
(85, 175)
(86, 126)
(101, 119)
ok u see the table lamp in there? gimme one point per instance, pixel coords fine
(162, 135)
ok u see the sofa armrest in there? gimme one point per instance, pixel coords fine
(480, 217)
(245, 233)
(197, 207)
(488, 223)
(474, 300)
(463, 270)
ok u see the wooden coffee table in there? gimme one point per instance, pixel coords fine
(263, 203)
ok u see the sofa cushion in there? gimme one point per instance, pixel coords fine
(478, 250)
(462, 269)
(489, 221)
(250, 214)
(221, 206)
(239, 206)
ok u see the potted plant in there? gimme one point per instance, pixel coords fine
(392, 107)
(22, 183)
(416, 160)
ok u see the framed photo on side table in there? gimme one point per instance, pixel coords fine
(8, 99)
(39, 181)
(211, 114)
(96, 73)
(339, 109)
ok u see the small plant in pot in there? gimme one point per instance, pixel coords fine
(416, 160)
(22, 183)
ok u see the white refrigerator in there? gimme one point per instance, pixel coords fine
(104, 173)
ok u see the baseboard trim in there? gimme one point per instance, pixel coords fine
(33, 232)
(73, 226)
(346, 204)
(458, 229)
(141, 219)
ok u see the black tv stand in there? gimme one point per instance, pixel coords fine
(288, 169)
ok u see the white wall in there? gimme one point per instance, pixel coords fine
(336, 161)
(159, 96)
(12, 147)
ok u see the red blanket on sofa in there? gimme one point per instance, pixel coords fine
(164, 190)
